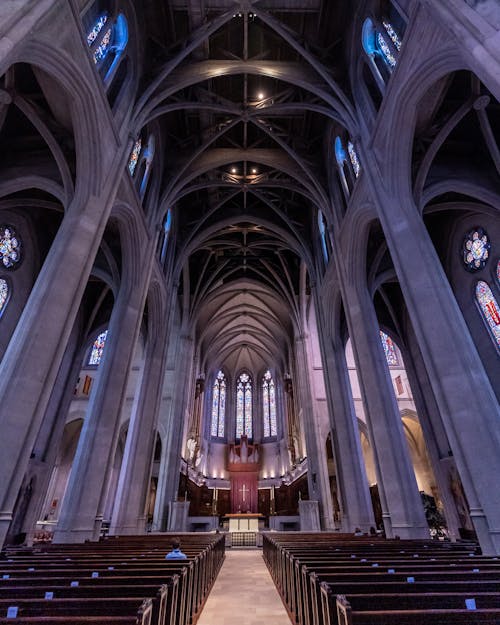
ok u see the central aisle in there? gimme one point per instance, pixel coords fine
(244, 593)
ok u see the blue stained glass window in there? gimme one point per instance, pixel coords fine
(340, 154)
(10, 247)
(4, 294)
(269, 405)
(498, 272)
(489, 309)
(98, 348)
(218, 406)
(376, 42)
(244, 406)
(389, 349)
(98, 26)
(322, 234)
(134, 156)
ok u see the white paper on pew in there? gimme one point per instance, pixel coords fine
(49, 595)
(470, 604)
(375, 564)
(475, 570)
(410, 580)
(471, 555)
(391, 570)
(353, 556)
(68, 559)
(95, 574)
(363, 560)
(74, 584)
(32, 568)
(12, 611)
(415, 555)
(5, 576)
(111, 568)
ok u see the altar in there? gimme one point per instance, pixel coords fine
(244, 521)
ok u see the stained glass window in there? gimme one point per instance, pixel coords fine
(489, 307)
(392, 34)
(498, 271)
(340, 154)
(269, 405)
(387, 54)
(104, 46)
(94, 33)
(218, 405)
(4, 294)
(322, 234)
(476, 249)
(10, 247)
(98, 348)
(389, 349)
(134, 156)
(244, 406)
(354, 158)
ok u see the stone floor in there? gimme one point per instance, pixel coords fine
(244, 593)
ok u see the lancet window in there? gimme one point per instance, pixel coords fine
(489, 308)
(218, 406)
(97, 349)
(107, 39)
(269, 406)
(389, 349)
(4, 294)
(244, 425)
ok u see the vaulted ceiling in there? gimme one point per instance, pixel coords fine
(243, 93)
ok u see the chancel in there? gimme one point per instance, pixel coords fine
(249, 275)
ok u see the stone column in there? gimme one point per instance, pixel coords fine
(31, 362)
(355, 500)
(435, 437)
(402, 507)
(168, 482)
(317, 470)
(129, 512)
(468, 406)
(82, 509)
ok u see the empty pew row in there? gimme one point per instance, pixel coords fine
(332, 579)
(120, 580)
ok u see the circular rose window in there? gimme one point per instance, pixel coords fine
(476, 249)
(10, 247)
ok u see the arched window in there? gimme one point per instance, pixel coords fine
(149, 152)
(349, 166)
(4, 295)
(389, 349)
(269, 405)
(97, 349)
(134, 156)
(489, 309)
(244, 406)
(166, 234)
(218, 406)
(381, 41)
(107, 39)
(323, 235)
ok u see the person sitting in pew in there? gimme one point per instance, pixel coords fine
(176, 553)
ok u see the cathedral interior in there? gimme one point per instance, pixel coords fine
(250, 264)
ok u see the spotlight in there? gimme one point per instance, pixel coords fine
(233, 170)
(260, 96)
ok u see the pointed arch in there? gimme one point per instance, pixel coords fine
(269, 420)
(244, 397)
(218, 418)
